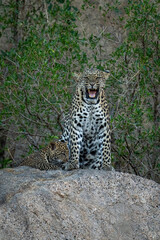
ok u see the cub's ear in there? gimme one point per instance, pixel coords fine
(52, 145)
(106, 74)
(76, 76)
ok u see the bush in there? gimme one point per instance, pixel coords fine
(134, 92)
(36, 74)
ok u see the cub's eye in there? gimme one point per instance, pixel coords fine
(98, 77)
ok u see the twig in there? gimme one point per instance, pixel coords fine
(46, 12)
(23, 133)
(134, 75)
(11, 154)
(128, 160)
(54, 108)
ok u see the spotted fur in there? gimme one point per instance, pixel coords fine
(86, 128)
(52, 156)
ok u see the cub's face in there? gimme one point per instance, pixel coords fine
(59, 151)
(91, 84)
(56, 152)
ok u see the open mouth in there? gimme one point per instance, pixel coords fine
(92, 93)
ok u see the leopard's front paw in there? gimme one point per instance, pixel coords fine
(108, 167)
(70, 166)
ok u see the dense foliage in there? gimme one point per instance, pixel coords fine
(36, 73)
(135, 66)
(36, 76)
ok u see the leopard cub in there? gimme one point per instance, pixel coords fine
(52, 156)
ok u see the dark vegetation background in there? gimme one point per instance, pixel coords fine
(44, 42)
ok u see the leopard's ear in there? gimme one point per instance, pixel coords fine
(106, 74)
(52, 145)
(76, 76)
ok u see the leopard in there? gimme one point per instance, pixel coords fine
(51, 157)
(87, 124)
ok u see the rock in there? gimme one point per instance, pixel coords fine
(79, 204)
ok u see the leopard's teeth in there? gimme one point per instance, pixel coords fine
(92, 93)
